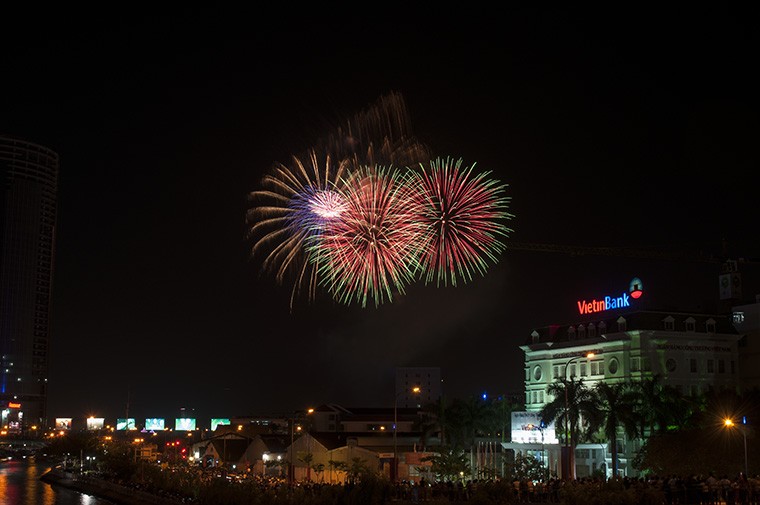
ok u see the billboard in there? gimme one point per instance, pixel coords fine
(62, 423)
(95, 423)
(527, 428)
(154, 423)
(184, 424)
(216, 421)
(126, 424)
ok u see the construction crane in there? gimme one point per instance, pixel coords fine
(575, 250)
(659, 253)
(730, 280)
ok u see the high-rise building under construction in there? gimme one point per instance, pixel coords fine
(28, 201)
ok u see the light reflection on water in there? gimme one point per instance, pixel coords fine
(20, 484)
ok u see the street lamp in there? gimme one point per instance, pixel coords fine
(569, 458)
(291, 466)
(415, 390)
(293, 429)
(729, 423)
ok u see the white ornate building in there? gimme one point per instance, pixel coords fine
(693, 352)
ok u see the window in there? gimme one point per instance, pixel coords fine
(646, 365)
(710, 366)
(635, 364)
(710, 325)
(670, 365)
(537, 373)
(721, 366)
(693, 365)
(594, 368)
(688, 324)
(613, 367)
(555, 372)
(622, 326)
(668, 323)
(583, 369)
(591, 330)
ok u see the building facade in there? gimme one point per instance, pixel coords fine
(28, 205)
(428, 379)
(694, 353)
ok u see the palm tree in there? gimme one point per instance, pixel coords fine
(437, 412)
(657, 405)
(571, 400)
(613, 406)
(427, 424)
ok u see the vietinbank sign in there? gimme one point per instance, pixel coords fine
(612, 302)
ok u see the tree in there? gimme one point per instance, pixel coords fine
(658, 406)
(338, 466)
(571, 399)
(448, 464)
(613, 406)
(527, 467)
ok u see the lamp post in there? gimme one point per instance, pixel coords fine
(293, 429)
(729, 423)
(569, 456)
(291, 466)
(416, 390)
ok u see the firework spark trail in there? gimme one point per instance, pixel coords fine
(371, 252)
(289, 213)
(464, 215)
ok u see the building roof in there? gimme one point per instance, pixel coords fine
(635, 320)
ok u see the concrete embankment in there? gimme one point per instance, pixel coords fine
(97, 487)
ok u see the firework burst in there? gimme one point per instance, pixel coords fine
(293, 209)
(463, 214)
(371, 252)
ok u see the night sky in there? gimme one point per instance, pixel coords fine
(636, 130)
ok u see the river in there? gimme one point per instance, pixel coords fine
(20, 484)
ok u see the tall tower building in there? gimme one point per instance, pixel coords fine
(28, 195)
